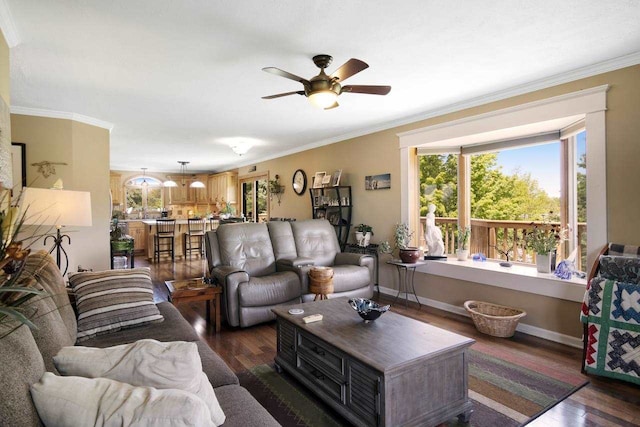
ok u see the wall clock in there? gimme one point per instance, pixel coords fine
(299, 182)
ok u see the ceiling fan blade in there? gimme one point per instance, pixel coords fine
(348, 69)
(371, 90)
(299, 92)
(334, 105)
(285, 74)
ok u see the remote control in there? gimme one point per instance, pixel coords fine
(312, 318)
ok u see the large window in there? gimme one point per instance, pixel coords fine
(143, 194)
(511, 191)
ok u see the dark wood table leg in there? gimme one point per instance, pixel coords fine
(207, 303)
(217, 300)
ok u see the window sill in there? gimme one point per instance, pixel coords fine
(518, 277)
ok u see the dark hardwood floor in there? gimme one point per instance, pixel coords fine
(602, 402)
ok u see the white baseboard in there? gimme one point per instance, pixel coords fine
(522, 327)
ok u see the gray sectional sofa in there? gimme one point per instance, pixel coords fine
(25, 354)
(265, 265)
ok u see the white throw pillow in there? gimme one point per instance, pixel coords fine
(78, 401)
(147, 362)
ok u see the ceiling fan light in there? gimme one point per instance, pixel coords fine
(170, 183)
(323, 98)
(197, 184)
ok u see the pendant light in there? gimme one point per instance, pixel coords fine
(183, 172)
(144, 181)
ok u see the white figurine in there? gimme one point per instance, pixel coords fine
(433, 234)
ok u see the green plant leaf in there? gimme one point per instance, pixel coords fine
(15, 314)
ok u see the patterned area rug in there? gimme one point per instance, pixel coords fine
(506, 390)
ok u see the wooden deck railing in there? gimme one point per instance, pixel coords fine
(492, 236)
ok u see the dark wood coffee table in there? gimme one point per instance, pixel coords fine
(394, 371)
(191, 290)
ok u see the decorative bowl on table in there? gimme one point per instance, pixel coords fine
(367, 309)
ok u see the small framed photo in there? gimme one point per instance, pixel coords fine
(335, 179)
(321, 214)
(317, 179)
(334, 218)
(377, 182)
(326, 180)
(317, 200)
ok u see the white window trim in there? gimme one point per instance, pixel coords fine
(592, 103)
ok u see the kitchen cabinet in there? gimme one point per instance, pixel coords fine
(180, 194)
(185, 194)
(138, 231)
(223, 187)
(115, 186)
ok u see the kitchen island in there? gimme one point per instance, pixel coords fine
(181, 229)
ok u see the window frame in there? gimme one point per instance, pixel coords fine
(144, 190)
(589, 104)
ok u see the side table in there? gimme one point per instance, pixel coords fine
(122, 247)
(371, 249)
(406, 280)
(191, 290)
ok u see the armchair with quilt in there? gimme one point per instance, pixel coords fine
(611, 315)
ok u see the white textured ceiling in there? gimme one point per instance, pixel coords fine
(181, 80)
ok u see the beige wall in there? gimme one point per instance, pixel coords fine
(4, 70)
(378, 153)
(85, 149)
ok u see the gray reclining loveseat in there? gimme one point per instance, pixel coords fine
(263, 265)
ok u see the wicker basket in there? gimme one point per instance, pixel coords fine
(492, 319)
(321, 280)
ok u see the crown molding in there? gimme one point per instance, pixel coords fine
(577, 74)
(39, 112)
(9, 29)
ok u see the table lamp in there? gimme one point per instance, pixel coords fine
(59, 208)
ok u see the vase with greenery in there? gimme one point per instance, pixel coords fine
(16, 286)
(402, 236)
(464, 233)
(544, 239)
(363, 234)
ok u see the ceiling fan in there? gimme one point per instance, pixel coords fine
(323, 90)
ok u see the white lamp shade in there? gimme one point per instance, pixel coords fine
(323, 98)
(56, 207)
(197, 184)
(170, 183)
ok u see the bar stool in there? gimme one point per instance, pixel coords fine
(195, 229)
(213, 223)
(165, 235)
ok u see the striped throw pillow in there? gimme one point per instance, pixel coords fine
(108, 301)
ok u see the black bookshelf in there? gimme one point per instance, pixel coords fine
(335, 205)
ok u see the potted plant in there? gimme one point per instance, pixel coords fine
(275, 188)
(543, 240)
(363, 234)
(16, 286)
(402, 236)
(464, 233)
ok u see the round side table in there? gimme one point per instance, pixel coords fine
(321, 282)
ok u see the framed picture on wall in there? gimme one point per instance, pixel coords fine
(19, 164)
(377, 182)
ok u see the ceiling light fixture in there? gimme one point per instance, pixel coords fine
(144, 181)
(323, 98)
(183, 172)
(241, 148)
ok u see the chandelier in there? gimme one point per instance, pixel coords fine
(183, 172)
